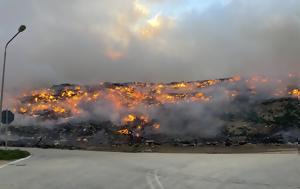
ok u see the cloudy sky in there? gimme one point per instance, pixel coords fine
(82, 41)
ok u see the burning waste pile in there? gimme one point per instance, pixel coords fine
(257, 109)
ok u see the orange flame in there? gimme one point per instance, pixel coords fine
(127, 99)
(123, 132)
(295, 93)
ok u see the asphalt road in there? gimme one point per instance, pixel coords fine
(63, 169)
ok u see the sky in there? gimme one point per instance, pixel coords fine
(86, 42)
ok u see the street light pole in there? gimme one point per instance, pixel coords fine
(21, 29)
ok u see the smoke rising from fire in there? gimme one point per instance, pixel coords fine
(86, 42)
(178, 109)
(125, 40)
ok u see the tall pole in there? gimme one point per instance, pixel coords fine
(21, 29)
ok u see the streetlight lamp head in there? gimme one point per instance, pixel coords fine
(22, 28)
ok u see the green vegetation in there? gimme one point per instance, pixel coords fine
(13, 154)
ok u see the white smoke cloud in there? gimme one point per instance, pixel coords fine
(83, 42)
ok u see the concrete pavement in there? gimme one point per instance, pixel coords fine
(64, 169)
(2, 162)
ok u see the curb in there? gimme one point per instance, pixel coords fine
(14, 162)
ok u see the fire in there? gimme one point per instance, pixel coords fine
(124, 132)
(295, 93)
(128, 99)
(156, 126)
(58, 109)
(23, 110)
(68, 99)
(129, 118)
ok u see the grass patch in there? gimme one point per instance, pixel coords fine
(13, 154)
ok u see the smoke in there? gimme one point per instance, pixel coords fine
(123, 40)
(189, 120)
(155, 41)
(184, 110)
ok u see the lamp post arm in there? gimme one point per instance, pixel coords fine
(11, 40)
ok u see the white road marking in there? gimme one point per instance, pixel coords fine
(152, 179)
(149, 181)
(157, 180)
(14, 162)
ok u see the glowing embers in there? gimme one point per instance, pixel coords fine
(131, 106)
(132, 119)
(68, 100)
(129, 118)
(295, 93)
(123, 132)
(156, 126)
(135, 125)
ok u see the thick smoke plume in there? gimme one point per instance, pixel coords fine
(85, 42)
(160, 41)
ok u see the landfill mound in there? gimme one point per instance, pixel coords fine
(226, 111)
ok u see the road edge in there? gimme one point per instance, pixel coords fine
(14, 162)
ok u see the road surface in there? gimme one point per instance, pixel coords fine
(2, 162)
(64, 169)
